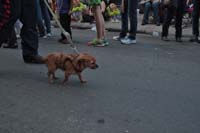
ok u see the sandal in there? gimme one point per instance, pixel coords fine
(98, 43)
(94, 42)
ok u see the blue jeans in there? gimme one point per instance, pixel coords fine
(155, 7)
(46, 16)
(130, 11)
(40, 23)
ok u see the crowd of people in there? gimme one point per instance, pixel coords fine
(34, 20)
(164, 11)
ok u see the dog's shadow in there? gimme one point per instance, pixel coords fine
(72, 82)
(24, 76)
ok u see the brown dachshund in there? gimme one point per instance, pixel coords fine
(69, 63)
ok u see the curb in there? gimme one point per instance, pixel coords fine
(153, 33)
(109, 29)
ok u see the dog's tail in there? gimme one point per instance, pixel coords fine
(44, 60)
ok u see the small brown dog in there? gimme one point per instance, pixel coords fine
(70, 63)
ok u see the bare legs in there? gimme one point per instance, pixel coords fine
(100, 23)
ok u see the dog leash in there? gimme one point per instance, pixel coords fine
(66, 34)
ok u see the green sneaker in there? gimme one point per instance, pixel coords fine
(94, 42)
(98, 43)
(105, 42)
(102, 43)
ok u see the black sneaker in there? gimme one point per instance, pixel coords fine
(63, 41)
(33, 59)
(157, 24)
(178, 39)
(144, 23)
(195, 39)
(15, 46)
(164, 38)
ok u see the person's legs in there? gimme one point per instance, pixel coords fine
(195, 18)
(167, 20)
(133, 4)
(68, 25)
(12, 39)
(124, 19)
(97, 11)
(46, 17)
(102, 25)
(155, 6)
(29, 36)
(9, 12)
(40, 23)
(29, 33)
(65, 21)
(132, 10)
(146, 13)
(179, 16)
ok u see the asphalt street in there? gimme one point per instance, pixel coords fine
(150, 87)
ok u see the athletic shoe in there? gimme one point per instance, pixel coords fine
(164, 38)
(116, 38)
(98, 43)
(128, 41)
(13, 46)
(195, 39)
(49, 34)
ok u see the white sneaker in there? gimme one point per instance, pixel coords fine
(44, 37)
(49, 34)
(116, 38)
(94, 28)
(117, 21)
(18, 36)
(128, 41)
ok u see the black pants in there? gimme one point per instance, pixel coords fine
(170, 11)
(25, 10)
(65, 21)
(130, 12)
(12, 39)
(195, 17)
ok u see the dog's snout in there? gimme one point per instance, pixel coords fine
(94, 66)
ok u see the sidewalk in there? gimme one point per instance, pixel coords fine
(150, 29)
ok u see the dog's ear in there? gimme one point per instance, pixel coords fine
(79, 62)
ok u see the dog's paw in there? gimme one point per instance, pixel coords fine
(55, 78)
